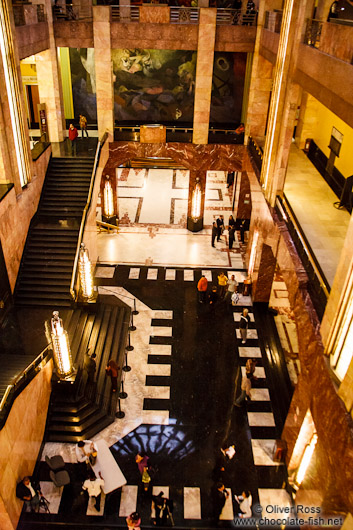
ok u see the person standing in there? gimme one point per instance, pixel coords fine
(232, 288)
(245, 391)
(83, 125)
(244, 501)
(94, 486)
(222, 284)
(244, 324)
(242, 230)
(112, 370)
(202, 289)
(220, 226)
(230, 179)
(220, 495)
(73, 134)
(133, 521)
(214, 233)
(231, 222)
(141, 460)
(231, 237)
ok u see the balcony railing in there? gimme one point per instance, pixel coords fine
(236, 17)
(73, 12)
(273, 21)
(330, 38)
(184, 15)
(126, 13)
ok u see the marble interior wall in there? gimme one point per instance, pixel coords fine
(315, 389)
(16, 213)
(307, 119)
(20, 441)
(244, 201)
(104, 70)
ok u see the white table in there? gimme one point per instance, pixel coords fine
(107, 466)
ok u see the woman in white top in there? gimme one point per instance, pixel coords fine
(245, 501)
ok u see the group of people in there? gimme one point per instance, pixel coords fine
(218, 228)
(89, 371)
(73, 133)
(227, 290)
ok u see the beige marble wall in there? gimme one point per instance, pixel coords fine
(49, 84)
(32, 39)
(20, 441)
(104, 70)
(307, 119)
(16, 213)
(204, 71)
(154, 14)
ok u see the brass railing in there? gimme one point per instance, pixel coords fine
(184, 15)
(125, 13)
(236, 17)
(106, 226)
(84, 217)
(313, 33)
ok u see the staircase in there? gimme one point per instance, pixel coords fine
(85, 411)
(48, 257)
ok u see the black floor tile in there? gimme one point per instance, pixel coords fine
(164, 322)
(158, 380)
(156, 404)
(259, 406)
(161, 340)
(264, 433)
(159, 359)
(271, 476)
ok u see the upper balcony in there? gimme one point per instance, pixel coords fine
(32, 33)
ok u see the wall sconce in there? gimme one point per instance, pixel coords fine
(61, 346)
(108, 199)
(195, 221)
(253, 253)
(85, 270)
(305, 461)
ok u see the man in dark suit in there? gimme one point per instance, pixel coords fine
(214, 234)
(28, 491)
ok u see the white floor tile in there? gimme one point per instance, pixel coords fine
(260, 394)
(192, 503)
(263, 451)
(162, 313)
(208, 275)
(237, 315)
(152, 274)
(160, 349)
(162, 331)
(252, 333)
(259, 372)
(158, 369)
(52, 494)
(157, 392)
(261, 419)
(188, 275)
(105, 272)
(247, 351)
(269, 497)
(155, 491)
(155, 417)
(128, 501)
(91, 509)
(134, 274)
(170, 274)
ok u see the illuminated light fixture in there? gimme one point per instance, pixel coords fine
(253, 253)
(85, 270)
(276, 91)
(13, 94)
(305, 461)
(61, 346)
(108, 199)
(196, 201)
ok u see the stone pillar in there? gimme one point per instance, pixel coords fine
(204, 71)
(260, 84)
(307, 119)
(322, 10)
(104, 71)
(49, 83)
(284, 100)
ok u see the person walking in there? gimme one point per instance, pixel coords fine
(112, 370)
(214, 233)
(133, 521)
(73, 134)
(230, 179)
(250, 369)
(83, 125)
(245, 391)
(222, 284)
(202, 289)
(244, 324)
(242, 230)
(232, 288)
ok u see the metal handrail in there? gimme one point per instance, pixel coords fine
(84, 216)
(313, 32)
(20, 377)
(184, 15)
(236, 17)
(106, 225)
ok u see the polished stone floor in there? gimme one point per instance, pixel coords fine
(312, 201)
(186, 369)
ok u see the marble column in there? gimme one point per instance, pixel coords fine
(104, 70)
(49, 84)
(284, 100)
(260, 84)
(307, 119)
(322, 10)
(204, 71)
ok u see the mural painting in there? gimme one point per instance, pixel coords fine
(83, 79)
(154, 86)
